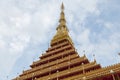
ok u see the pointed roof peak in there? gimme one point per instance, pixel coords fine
(62, 20)
(62, 6)
(62, 30)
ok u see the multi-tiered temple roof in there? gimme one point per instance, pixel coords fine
(62, 62)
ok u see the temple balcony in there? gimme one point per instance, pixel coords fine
(60, 39)
(53, 57)
(64, 59)
(95, 74)
(55, 68)
(70, 71)
(57, 46)
(57, 50)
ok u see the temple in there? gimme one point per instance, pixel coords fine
(62, 62)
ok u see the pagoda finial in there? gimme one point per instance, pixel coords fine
(62, 6)
(62, 15)
(62, 20)
(62, 30)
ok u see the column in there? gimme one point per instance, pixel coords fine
(112, 73)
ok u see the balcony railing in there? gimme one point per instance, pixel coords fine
(52, 57)
(64, 37)
(69, 71)
(57, 46)
(97, 73)
(57, 50)
(51, 64)
(64, 64)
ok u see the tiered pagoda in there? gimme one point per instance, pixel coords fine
(62, 62)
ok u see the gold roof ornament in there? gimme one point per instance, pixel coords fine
(62, 6)
(62, 30)
(62, 20)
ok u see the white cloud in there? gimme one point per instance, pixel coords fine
(2, 44)
(108, 25)
(21, 21)
(19, 43)
(84, 37)
(83, 8)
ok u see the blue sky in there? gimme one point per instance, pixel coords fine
(27, 26)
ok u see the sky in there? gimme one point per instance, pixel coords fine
(27, 26)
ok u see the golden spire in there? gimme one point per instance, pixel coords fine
(62, 7)
(62, 30)
(62, 20)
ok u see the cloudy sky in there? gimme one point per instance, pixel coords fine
(27, 26)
